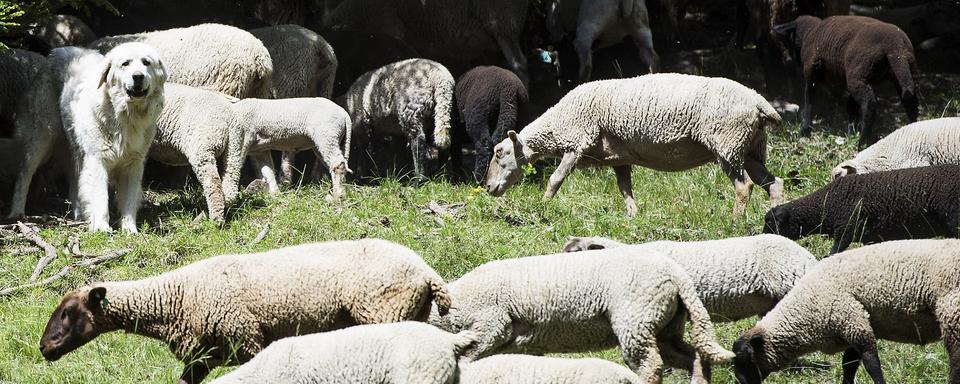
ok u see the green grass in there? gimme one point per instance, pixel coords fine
(691, 205)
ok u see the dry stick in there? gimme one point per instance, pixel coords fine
(261, 235)
(49, 250)
(89, 263)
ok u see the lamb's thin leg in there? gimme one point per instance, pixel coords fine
(742, 186)
(479, 133)
(871, 362)
(93, 193)
(194, 373)
(263, 162)
(567, 164)
(586, 34)
(234, 157)
(851, 361)
(36, 151)
(129, 195)
(865, 97)
(759, 174)
(643, 39)
(287, 159)
(859, 335)
(625, 183)
(337, 165)
(413, 130)
(205, 167)
(948, 316)
(806, 112)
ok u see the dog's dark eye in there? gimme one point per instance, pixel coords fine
(145, 62)
(125, 63)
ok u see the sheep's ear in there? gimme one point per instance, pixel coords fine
(512, 135)
(107, 64)
(96, 297)
(851, 170)
(756, 342)
(785, 29)
(595, 246)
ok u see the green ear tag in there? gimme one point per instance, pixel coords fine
(105, 302)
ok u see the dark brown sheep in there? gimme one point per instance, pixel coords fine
(912, 203)
(853, 53)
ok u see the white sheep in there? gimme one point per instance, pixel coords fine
(230, 307)
(525, 369)
(213, 56)
(928, 142)
(667, 122)
(304, 65)
(201, 127)
(735, 278)
(397, 353)
(905, 291)
(587, 301)
(404, 98)
(62, 31)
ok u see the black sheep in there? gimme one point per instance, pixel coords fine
(852, 53)
(489, 100)
(910, 203)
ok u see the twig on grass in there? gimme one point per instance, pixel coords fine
(50, 252)
(90, 263)
(261, 235)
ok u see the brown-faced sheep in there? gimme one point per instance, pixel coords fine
(852, 54)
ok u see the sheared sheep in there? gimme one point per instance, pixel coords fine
(304, 65)
(854, 54)
(904, 291)
(397, 353)
(489, 100)
(404, 98)
(668, 122)
(60, 31)
(735, 278)
(213, 56)
(928, 142)
(19, 69)
(524, 369)
(588, 301)
(230, 307)
(890, 205)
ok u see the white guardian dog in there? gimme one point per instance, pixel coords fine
(109, 106)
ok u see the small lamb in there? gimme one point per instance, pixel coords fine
(230, 307)
(928, 142)
(397, 353)
(904, 291)
(669, 122)
(588, 301)
(525, 369)
(735, 278)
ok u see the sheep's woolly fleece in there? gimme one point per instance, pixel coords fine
(736, 277)
(213, 56)
(525, 369)
(905, 291)
(399, 353)
(928, 142)
(304, 65)
(489, 99)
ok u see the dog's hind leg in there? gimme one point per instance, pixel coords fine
(129, 194)
(93, 194)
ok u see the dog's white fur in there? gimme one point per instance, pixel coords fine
(109, 106)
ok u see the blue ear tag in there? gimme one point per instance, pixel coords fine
(546, 57)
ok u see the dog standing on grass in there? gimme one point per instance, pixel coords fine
(109, 106)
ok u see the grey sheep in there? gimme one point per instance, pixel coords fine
(735, 278)
(525, 369)
(60, 31)
(588, 301)
(904, 291)
(397, 353)
(405, 98)
(231, 307)
(928, 142)
(668, 122)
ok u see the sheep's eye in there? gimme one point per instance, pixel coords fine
(125, 63)
(145, 62)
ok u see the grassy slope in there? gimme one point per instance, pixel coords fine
(690, 205)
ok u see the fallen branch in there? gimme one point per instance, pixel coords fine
(90, 263)
(73, 248)
(50, 252)
(261, 235)
(43, 220)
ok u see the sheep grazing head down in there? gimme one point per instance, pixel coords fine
(750, 362)
(73, 323)
(579, 244)
(845, 168)
(506, 167)
(779, 220)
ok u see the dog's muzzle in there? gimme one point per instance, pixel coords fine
(138, 89)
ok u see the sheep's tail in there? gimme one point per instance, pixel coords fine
(767, 112)
(443, 105)
(347, 133)
(464, 340)
(440, 295)
(704, 336)
(904, 68)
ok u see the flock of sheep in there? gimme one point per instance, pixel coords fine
(211, 96)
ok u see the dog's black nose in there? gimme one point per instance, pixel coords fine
(138, 78)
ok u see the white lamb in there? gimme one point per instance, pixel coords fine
(928, 142)
(735, 278)
(668, 122)
(525, 369)
(397, 353)
(405, 98)
(588, 301)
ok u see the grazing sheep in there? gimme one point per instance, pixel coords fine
(854, 54)
(668, 122)
(928, 142)
(524, 369)
(890, 205)
(588, 301)
(489, 100)
(60, 31)
(397, 353)
(404, 98)
(304, 65)
(904, 291)
(735, 278)
(230, 307)
(212, 56)
(18, 71)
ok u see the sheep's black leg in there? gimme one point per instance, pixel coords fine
(625, 183)
(840, 244)
(806, 113)
(194, 373)
(871, 361)
(587, 33)
(360, 143)
(851, 362)
(865, 97)
(910, 105)
(479, 132)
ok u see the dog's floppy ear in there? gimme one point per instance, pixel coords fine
(161, 71)
(107, 64)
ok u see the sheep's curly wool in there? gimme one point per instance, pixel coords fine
(928, 142)
(891, 205)
(304, 65)
(905, 291)
(525, 369)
